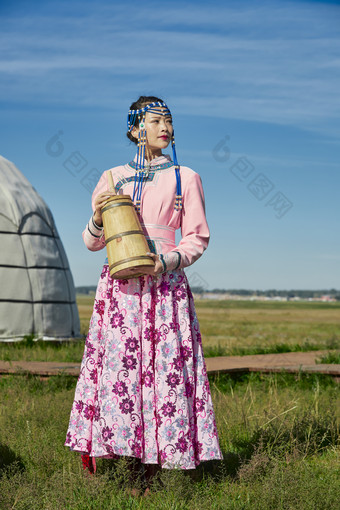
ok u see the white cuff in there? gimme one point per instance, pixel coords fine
(93, 228)
(172, 260)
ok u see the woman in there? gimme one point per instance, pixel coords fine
(143, 390)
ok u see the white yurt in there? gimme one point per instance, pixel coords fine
(37, 294)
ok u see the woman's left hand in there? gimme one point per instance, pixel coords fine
(158, 269)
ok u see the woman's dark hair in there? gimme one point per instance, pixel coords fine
(140, 103)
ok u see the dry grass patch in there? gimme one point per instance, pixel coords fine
(228, 327)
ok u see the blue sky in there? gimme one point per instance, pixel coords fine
(254, 92)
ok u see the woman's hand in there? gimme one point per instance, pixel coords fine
(158, 269)
(99, 202)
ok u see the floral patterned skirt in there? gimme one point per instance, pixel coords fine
(143, 389)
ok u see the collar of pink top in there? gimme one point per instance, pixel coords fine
(164, 158)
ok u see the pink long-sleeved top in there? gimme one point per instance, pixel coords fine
(158, 217)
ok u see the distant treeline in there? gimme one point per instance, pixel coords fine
(303, 294)
(86, 290)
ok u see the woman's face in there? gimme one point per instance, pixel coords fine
(159, 130)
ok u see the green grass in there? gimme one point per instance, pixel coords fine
(330, 357)
(219, 350)
(278, 432)
(31, 350)
(279, 435)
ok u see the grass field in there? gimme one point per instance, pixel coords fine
(279, 433)
(228, 328)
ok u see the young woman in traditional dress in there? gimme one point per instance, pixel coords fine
(143, 389)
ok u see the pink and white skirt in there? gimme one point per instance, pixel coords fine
(143, 389)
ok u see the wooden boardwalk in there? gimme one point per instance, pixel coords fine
(283, 362)
(292, 362)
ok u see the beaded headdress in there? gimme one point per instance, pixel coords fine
(142, 170)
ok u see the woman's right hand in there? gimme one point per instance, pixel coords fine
(99, 202)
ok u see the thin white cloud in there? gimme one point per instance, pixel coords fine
(274, 62)
(290, 18)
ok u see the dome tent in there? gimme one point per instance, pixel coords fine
(37, 294)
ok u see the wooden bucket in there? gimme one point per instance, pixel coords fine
(125, 240)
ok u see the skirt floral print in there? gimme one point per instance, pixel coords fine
(143, 389)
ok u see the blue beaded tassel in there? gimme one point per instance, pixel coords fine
(178, 199)
(139, 175)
